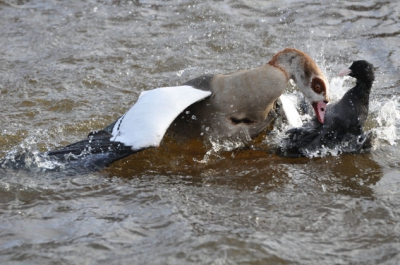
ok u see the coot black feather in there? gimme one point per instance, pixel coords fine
(343, 129)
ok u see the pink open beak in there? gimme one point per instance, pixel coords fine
(320, 108)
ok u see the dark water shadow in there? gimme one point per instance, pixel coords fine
(254, 170)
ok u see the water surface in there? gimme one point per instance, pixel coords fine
(70, 67)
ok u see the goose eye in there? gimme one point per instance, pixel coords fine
(317, 85)
(317, 88)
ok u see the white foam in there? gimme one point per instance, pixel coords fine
(387, 117)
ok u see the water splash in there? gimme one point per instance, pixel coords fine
(337, 87)
(26, 159)
(387, 116)
(218, 146)
(187, 71)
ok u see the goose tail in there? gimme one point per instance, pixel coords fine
(96, 151)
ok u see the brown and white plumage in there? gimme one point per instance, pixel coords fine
(236, 105)
(241, 101)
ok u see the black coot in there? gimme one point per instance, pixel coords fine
(344, 121)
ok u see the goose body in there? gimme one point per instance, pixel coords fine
(237, 106)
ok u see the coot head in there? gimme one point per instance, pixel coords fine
(362, 70)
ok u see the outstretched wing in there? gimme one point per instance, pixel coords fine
(145, 124)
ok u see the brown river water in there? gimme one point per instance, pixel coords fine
(69, 67)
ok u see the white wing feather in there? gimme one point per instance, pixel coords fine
(145, 124)
(291, 113)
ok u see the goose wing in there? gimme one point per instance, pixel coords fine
(145, 124)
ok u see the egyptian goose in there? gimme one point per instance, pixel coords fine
(233, 106)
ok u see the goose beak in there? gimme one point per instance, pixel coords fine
(320, 108)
